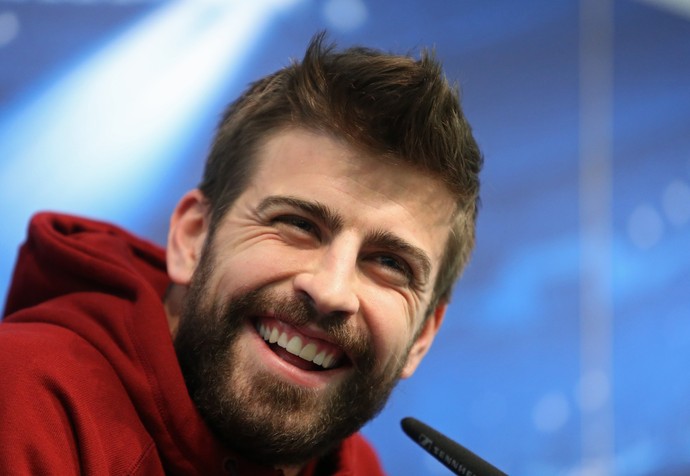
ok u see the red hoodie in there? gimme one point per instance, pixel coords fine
(89, 380)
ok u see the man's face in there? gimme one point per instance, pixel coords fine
(308, 303)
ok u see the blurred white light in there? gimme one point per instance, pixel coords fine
(345, 15)
(551, 413)
(593, 391)
(9, 28)
(592, 467)
(104, 128)
(645, 227)
(679, 7)
(676, 202)
(101, 134)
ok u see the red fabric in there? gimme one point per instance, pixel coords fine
(89, 381)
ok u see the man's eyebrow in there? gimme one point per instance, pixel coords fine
(315, 209)
(388, 241)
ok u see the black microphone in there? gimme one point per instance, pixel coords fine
(455, 457)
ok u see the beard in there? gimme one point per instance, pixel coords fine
(265, 419)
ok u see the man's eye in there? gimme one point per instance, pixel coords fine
(396, 265)
(297, 222)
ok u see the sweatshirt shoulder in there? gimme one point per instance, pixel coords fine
(68, 410)
(35, 353)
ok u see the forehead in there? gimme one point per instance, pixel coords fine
(368, 191)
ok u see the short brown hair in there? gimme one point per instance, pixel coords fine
(395, 107)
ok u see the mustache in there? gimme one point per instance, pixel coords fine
(298, 311)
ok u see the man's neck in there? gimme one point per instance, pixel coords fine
(291, 470)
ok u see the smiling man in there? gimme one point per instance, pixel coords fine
(307, 274)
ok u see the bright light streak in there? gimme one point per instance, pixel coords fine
(679, 7)
(114, 118)
(95, 139)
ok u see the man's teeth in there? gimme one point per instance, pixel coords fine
(308, 352)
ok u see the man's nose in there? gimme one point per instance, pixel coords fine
(330, 281)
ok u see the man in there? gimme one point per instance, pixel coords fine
(307, 274)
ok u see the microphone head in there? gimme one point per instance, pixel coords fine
(452, 455)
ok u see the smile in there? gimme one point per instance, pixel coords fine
(316, 353)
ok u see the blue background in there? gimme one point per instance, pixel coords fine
(566, 347)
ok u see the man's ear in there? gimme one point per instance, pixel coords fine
(188, 229)
(424, 340)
